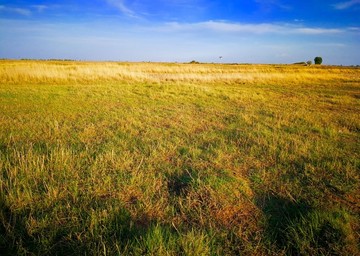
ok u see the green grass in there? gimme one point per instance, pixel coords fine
(174, 159)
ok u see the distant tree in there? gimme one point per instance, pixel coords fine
(309, 62)
(194, 62)
(318, 60)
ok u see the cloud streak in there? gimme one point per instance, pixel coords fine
(20, 11)
(40, 8)
(122, 7)
(268, 4)
(23, 11)
(263, 28)
(346, 5)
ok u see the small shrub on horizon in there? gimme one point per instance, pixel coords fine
(318, 60)
(194, 62)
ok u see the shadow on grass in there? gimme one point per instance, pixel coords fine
(280, 213)
(117, 234)
(16, 239)
(7, 224)
(296, 228)
(179, 184)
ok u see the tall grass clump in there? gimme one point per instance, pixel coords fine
(107, 158)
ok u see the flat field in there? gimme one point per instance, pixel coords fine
(107, 158)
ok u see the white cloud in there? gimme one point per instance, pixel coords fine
(262, 28)
(354, 29)
(317, 31)
(21, 11)
(40, 8)
(220, 26)
(346, 5)
(240, 27)
(268, 4)
(122, 7)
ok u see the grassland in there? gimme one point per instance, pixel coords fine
(178, 159)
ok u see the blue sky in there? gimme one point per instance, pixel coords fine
(252, 31)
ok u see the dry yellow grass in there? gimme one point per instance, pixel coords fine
(19, 72)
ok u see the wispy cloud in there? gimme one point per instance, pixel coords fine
(122, 7)
(183, 3)
(165, 8)
(346, 5)
(40, 8)
(20, 11)
(221, 26)
(317, 31)
(263, 28)
(269, 4)
(354, 29)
